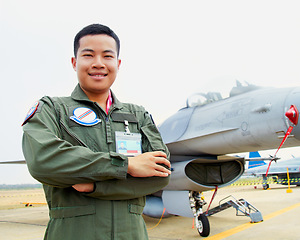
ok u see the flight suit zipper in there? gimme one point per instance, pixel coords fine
(109, 140)
(112, 221)
(109, 137)
(73, 135)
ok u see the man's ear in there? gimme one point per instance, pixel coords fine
(119, 63)
(73, 60)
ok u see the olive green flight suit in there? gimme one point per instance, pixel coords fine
(60, 153)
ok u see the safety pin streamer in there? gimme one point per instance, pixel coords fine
(288, 132)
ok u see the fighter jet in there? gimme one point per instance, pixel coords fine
(278, 171)
(201, 135)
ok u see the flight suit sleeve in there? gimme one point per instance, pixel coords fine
(133, 187)
(151, 138)
(58, 163)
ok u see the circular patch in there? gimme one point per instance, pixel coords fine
(85, 116)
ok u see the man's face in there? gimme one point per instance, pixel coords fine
(96, 64)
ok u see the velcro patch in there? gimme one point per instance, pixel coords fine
(31, 112)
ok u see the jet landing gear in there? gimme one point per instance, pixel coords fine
(265, 183)
(201, 220)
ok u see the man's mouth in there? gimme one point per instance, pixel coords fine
(97, 75)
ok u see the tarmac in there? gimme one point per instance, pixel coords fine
(280, 211)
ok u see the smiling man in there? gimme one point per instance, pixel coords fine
(97, 64)
(93, 189)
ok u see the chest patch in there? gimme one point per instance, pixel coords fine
(85, 116)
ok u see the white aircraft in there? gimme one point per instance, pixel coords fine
(278, 171)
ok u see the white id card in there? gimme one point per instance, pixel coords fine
(129, 144)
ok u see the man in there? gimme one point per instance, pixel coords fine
(70, 144)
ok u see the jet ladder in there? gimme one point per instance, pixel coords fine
(242, 207)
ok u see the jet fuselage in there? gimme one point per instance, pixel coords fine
(246, 122)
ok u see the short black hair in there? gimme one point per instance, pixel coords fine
(95, 29)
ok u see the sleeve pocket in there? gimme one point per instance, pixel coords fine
(153, 137)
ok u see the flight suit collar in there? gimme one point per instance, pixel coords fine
(79, 95)
(116, 102)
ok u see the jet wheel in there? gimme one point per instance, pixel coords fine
(203, 228)
(265, 186)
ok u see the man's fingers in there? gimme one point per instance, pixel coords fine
(84, 187)
(164, 161)
(162, 169)
(161, 174)
(159, 154)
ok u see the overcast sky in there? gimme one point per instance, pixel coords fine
(169, 49)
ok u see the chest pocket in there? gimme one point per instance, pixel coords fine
(78, 128)
(120, 118)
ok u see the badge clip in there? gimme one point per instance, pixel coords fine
(126, 126)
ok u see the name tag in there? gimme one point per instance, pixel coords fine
(129, 144)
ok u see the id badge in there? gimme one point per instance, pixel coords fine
(129, 144)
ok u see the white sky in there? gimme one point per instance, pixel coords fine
(169, 49)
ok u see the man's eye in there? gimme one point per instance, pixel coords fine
(87, 55)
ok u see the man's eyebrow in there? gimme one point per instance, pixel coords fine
(105, 51)
(87, 50)
(109, 51)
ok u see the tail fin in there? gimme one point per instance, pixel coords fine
(254, 163)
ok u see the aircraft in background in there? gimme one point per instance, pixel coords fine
(278, 171)
(201, 135)
(254, 161)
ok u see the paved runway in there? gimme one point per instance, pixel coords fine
(280, 210)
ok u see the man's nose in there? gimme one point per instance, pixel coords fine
(98, 63)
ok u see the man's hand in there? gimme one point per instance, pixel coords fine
(144, 165)
(148, 165)
(84, 187)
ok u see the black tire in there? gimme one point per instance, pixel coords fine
(204, 229)
(265, 186)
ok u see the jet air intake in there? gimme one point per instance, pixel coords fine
(205, 173)
(213, 174)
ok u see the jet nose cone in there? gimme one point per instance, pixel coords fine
(292, 105)
(293, 114)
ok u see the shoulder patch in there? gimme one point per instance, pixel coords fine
(31, 112)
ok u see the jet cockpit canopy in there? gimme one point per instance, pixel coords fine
(199, 99)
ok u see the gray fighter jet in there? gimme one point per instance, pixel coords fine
(201, 135)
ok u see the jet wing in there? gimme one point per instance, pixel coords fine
(262, 159)
(14, 162)
(195, 145)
